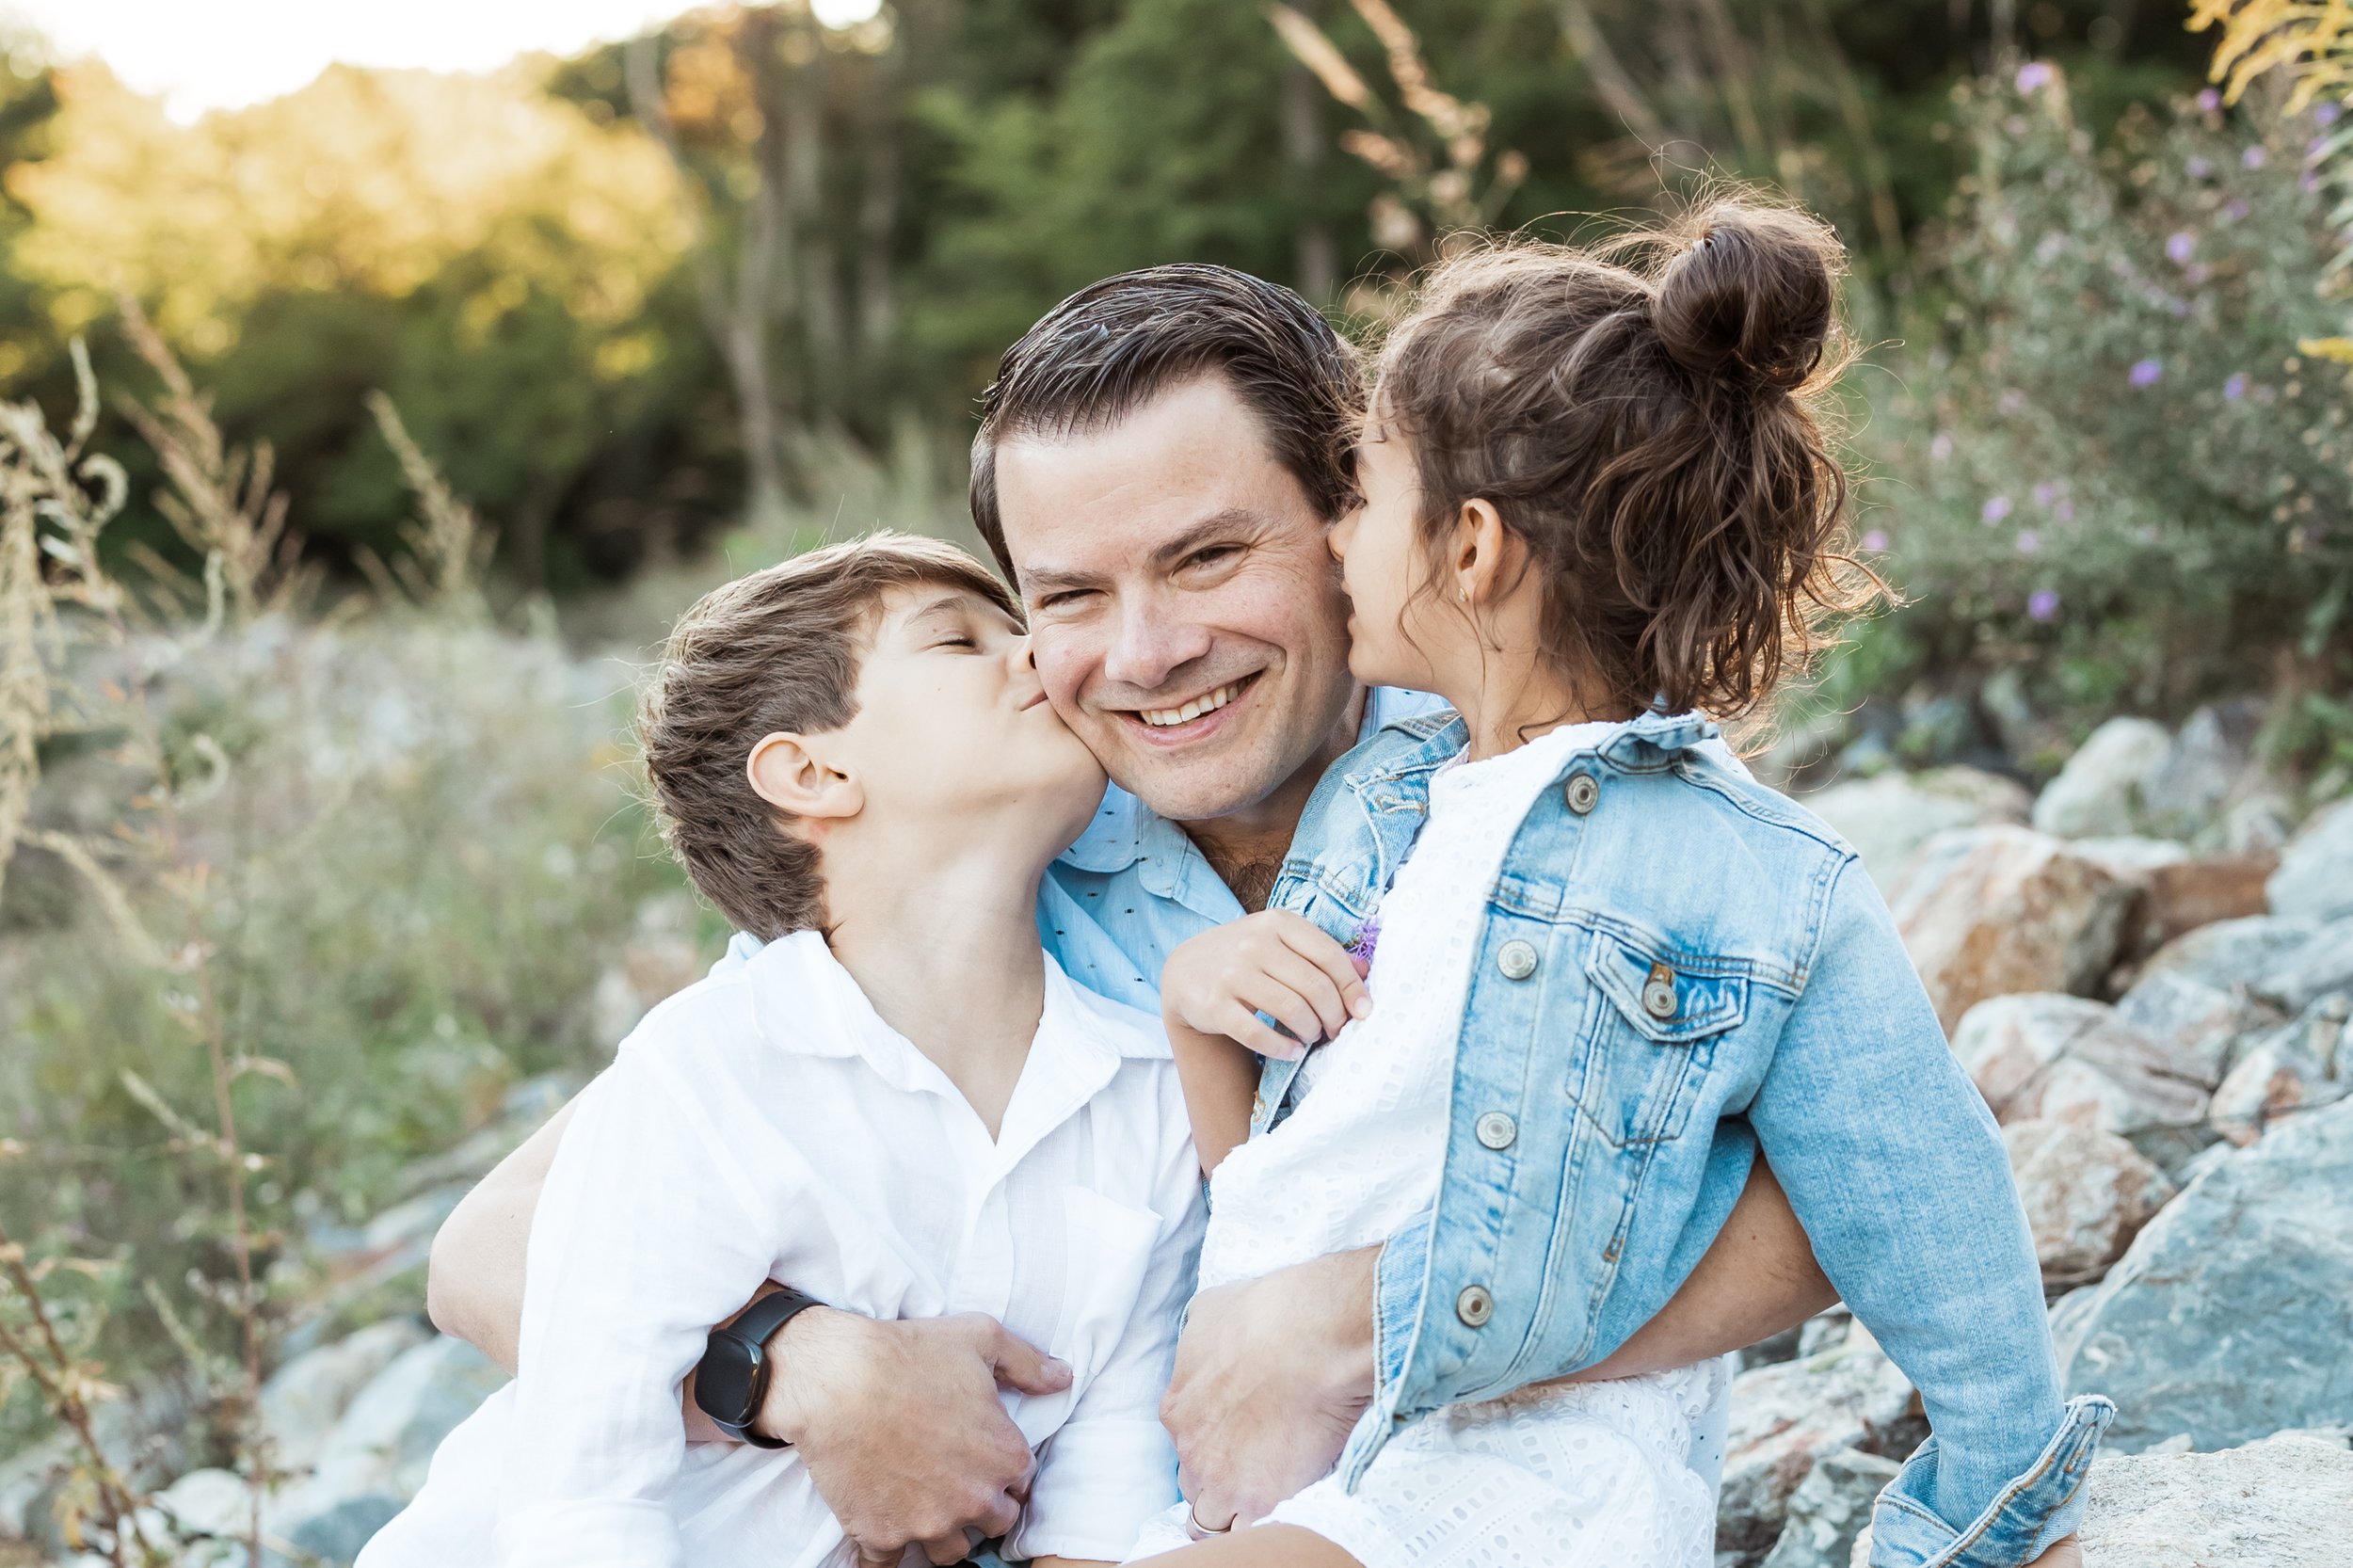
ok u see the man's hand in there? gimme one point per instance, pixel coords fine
(2068, 1553)
(901, 1428)
(1271, 1375)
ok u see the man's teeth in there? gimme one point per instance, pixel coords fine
(1160, 718)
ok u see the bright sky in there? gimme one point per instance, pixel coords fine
(201, 54)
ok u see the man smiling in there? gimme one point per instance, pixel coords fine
(1157, 468)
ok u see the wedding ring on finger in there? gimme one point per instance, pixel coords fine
(1192, 1511)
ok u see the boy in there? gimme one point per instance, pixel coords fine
(901, 1106)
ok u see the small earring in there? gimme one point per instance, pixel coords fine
(1463, 594)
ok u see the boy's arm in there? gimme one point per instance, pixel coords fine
(1896, 1168)
(645, 1234)
(1220, 1080)
(1110, 1465)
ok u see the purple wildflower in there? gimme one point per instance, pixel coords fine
(2198, 169)
(2064, 511)
(2209, 99)
(2042, 604)
(2237, 212)
(2181, 248)
(1875, 541)
(2234, 388)
(1367, 939)
(2045, 492)
(2254, 157)
(2029, 542)
(2326, 114)
(2146, 371)
(2033, 75)
(1995, 510)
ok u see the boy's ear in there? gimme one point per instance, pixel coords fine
(791, 773)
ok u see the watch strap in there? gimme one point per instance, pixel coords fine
(752, 1329)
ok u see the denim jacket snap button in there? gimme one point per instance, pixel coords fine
(1474, 1306)
(1497, 1131)
(1658, 993)
(1583, 790)
(1516, 959)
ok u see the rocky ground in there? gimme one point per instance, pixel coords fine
(2147, 969)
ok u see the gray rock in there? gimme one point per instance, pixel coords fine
(1887, 817)
(2208, 766)
(1786, 1417)
(335, 1533)
(2194, 1024)
(2315, 874)
(2228, 954)
(2230, 1316)
(2286, 1502)
(2087, 1194)
(1989, 911)
(2100, 790)
(386, 1438)
(2287, 1071)
(2296, 978)
(303, 1401)
(2059, 1058)
(1830, 1508)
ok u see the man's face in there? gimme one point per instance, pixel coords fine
(1185, 615)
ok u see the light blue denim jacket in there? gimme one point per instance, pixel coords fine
(1678, 964)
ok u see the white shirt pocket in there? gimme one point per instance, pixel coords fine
(1107, 1248)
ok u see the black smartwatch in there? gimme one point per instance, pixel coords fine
(731, 1379)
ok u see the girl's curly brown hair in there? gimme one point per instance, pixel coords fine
(1651, 416)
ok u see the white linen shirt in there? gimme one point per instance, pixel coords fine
(766, 1124)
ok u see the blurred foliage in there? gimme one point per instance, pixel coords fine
(608, 340)
(2108, 475)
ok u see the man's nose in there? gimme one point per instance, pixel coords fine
(1149, 645)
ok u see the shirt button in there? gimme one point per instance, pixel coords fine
(1583, 791)
(1474, 1306)
(1516, 959)
(1497, 1131)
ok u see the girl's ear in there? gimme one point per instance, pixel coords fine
(1487, 557)
(792, 773)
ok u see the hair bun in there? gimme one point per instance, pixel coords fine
(1749, 302)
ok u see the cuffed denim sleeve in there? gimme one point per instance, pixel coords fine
(1897, 1170)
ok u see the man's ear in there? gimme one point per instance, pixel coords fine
(792, 773)
(1487, 557)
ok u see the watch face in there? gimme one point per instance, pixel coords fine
(724, 1378)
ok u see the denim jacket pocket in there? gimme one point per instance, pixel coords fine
(1654, 1033)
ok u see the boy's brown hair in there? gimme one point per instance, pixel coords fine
(1650, 418)
(775, 650)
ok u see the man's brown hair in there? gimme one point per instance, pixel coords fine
(778, 651)
(1652, 417)
(1114, 346)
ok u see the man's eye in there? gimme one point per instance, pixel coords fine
(1063, 601)
(1217, 555)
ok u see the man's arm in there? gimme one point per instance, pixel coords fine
(1271, 1375)
(898, 1423)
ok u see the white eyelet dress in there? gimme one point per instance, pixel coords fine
(1595, 1474)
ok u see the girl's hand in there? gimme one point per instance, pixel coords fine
(1276, 963)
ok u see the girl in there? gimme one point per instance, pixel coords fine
(1598, 505)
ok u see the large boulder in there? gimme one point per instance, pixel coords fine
(2196, 1027)
(2230, 1316)
(303, 1401)
(386, 1438)
(1988, 911)
(2059, 1058)
(2231, 952)
(2315, 874)
(1887, 817)
(1785, 1418)
(2102, 789)
(2286, 1502)
(2312, 969)
(2287, 1071)
(2210, 768)
(2086, 1193)
(1830, 1508)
